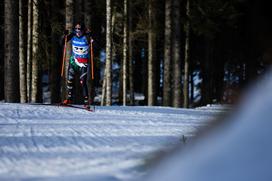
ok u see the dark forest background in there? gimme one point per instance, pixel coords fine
(176, 53)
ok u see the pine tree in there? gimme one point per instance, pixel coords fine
(35, 53)
(11, 41)
(177, 98)
(108, 69)
(29, 49)
(125, 52)
(2, 51)
(130, 55)
(167, 54)
(151, 54)
(22, 50)
(186, 58)
(56, 20)
(69, 20)
(88, 16)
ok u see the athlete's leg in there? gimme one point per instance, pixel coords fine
(83, 83)
(70, 80)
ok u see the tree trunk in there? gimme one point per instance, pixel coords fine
(79, 11)
(121, 82)
(131, 73)
(207, 74)
(103, 94)
(88, 16)
(177, 98)
(143, 56)
(151, 54)
(219, 61)
(192, 86)
(167, 54)
(2, 51)
(29, 50)
(68, 26)
(110, 21)
(108, 69)
(130, 57)
(186, 58)
(22, 51)
(11, 41)
(35, 49)
(55, 59)
(88, 5)
(125, 52)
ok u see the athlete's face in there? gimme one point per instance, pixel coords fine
(78, 30)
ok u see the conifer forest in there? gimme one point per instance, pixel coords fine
(173, 53)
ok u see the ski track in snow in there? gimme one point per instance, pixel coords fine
(43, 142)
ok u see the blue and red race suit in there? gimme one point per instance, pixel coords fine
(78, 63)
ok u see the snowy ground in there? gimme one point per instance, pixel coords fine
(39, 142)
(239, 149)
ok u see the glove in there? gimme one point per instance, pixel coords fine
(66, 32)
(88, 30)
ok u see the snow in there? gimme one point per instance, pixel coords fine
(240, 149)
(43, 142)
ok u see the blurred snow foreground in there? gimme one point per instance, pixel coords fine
(241, 149)
(44, 142)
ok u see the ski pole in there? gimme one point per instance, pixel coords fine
(92, 56)
(92, 71)
(64, 55)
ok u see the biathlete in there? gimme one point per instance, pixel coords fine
(78, 62)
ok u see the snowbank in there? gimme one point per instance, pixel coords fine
(241, 149)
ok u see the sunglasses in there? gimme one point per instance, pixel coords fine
(78, 29)
(78, 48)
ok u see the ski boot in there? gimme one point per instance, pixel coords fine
(66, 102)
(86, 103)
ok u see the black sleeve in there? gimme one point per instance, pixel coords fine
(69, 37)
(88, 34)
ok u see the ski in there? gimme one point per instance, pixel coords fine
(67, 105)
(77, 107)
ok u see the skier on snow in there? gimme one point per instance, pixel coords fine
(78, 62)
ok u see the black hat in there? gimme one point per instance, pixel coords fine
(82, 25)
